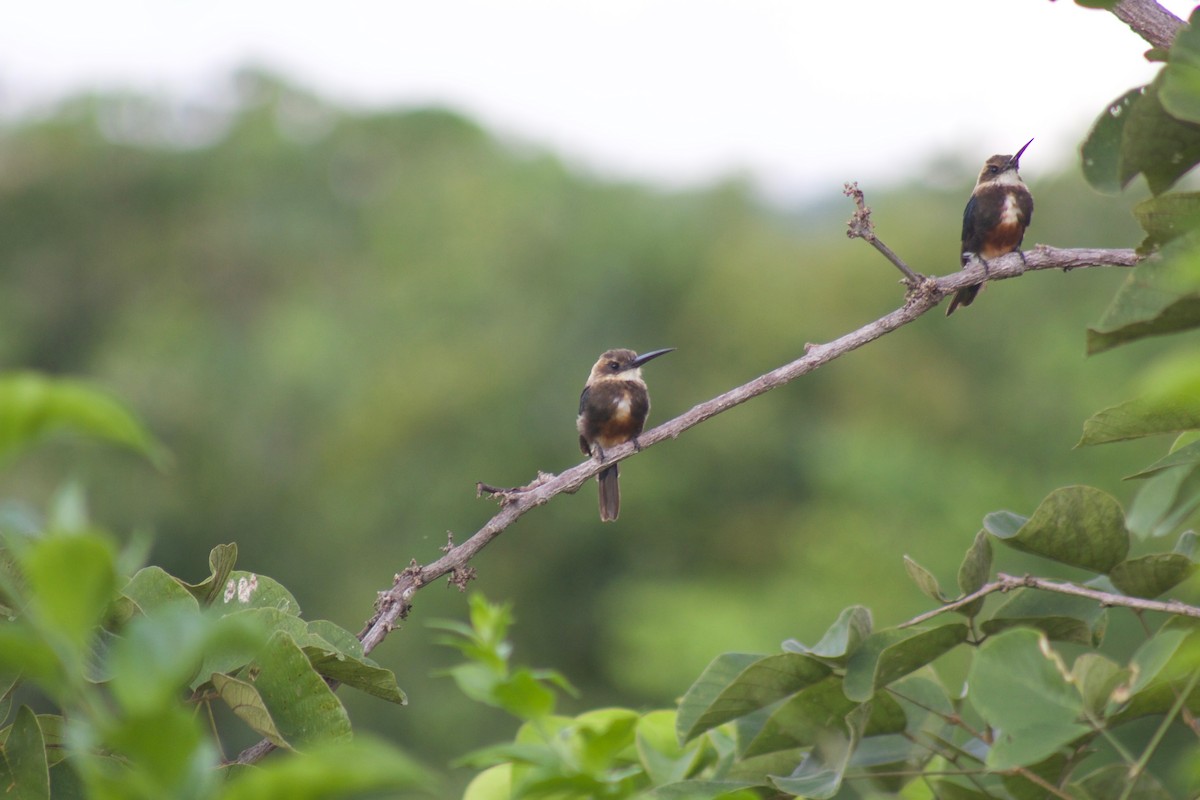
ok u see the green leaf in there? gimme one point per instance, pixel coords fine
(1097, 678)
(25, 653)
(602, 735)
(332, 769)
(1165, 501)
(842, 639)
(249, 630)
(1186, 456)
(1160, 670)
(1157, 144)
(974, 572)
(288, 703)
(946, 789)
(890, 654)
(244, 700)
(1167, 217)
(662, 757)
(1150, 575)
(166, 753)
(152, 590)
(1111, 782)
(1060, 617)
(1003, 524)
(1076, 525)
(924, 580)
(494, 783)
(923, 701)
(72, 578)
(25, 773)
(1051, 772)
(1160, 296)
(301, 703)
(1180, 92)
(735, 684)
(810, 715)
(1106, 5)
(1101, 152)
(523, 695)
(698, 790)
(1019, 688)
(245, 590)
(819, 775)
(220, 563)
(33, 406)
(155, 657)
(338, 639)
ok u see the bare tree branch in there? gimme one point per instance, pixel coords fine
(1006, 583)
(393, 604)
(923, 294)
(860, 226)
(1148, 19)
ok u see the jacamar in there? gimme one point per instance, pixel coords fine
(995, 219)
(612, 410)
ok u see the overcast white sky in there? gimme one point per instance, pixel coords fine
(803, 94)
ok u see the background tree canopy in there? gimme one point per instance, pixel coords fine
(339, 321)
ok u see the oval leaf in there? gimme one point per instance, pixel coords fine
(1076, 525)
(733, 686)
(1101, 152)
(842, 639)
(891, 654)
(924, 580)
(974, 572)
(1018, 687)
(1151, 575)
(302, 705)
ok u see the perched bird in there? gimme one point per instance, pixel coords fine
(612, 410)
(994, 222)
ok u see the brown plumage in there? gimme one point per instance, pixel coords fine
(613, 408)
(995, 219)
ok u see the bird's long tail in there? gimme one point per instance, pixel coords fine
(963, 297)
(610, 494)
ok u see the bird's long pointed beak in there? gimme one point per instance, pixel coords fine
(1015, 160)
(644, 357)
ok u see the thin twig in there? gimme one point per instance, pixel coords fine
(1006, 583)
(860, 226)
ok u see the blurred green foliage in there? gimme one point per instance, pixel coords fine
(339, 321)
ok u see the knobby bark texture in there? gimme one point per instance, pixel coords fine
(1148, 19)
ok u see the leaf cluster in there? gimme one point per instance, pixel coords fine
(127, 664)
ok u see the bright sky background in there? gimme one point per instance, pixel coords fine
(802, 94)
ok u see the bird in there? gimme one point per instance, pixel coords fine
(613, 408)
(995, 219)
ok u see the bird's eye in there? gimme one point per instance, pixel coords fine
(993, 170)
(614, 366)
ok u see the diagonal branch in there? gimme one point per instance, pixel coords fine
(394, 603)
(923, 294)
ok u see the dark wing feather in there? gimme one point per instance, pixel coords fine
(583, 396)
